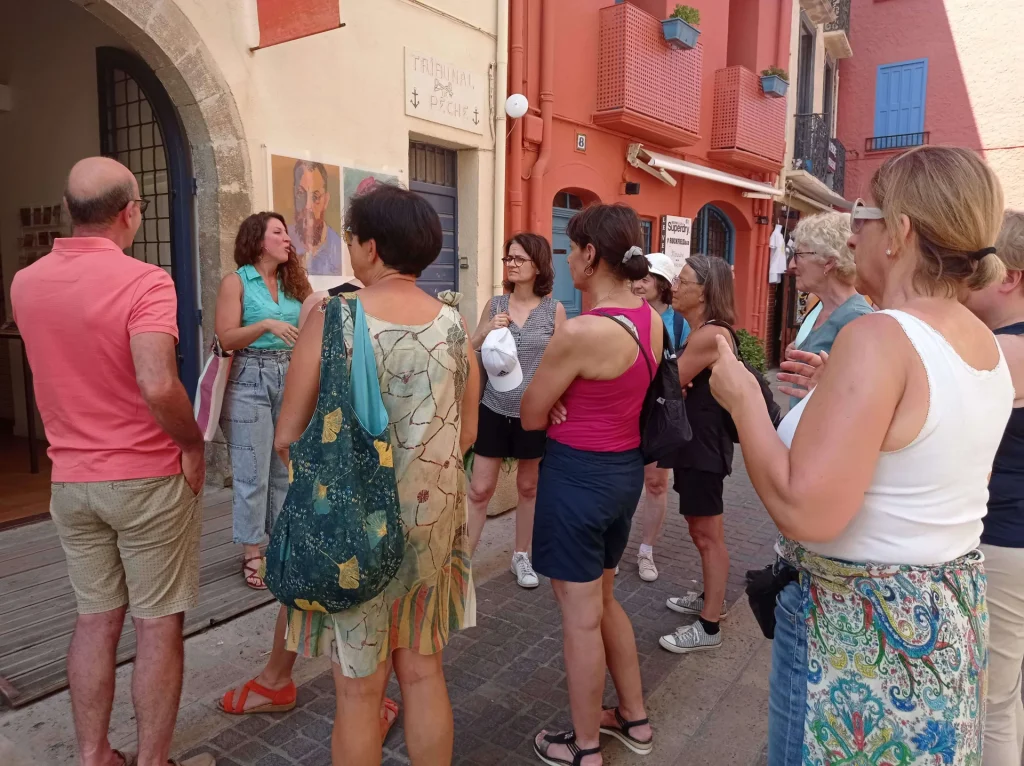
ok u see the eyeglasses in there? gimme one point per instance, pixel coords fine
(803, 253)
(679, 282)
(861, 213)
(518, 260)
(143, 205)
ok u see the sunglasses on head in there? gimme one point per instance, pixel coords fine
(861, 213)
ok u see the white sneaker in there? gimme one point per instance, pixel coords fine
(523, 570)
(690, 638)
(691, 603)
(616, 570)
(648, 572)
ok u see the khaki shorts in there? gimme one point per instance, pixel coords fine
(132, 542)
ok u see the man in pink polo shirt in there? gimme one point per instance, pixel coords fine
(100, 330)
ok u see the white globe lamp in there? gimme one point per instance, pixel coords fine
(516, 106)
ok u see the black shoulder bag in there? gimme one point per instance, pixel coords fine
(664, 427)
(774, 411)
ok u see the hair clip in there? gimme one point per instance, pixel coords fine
(632, 252)
(979, 254)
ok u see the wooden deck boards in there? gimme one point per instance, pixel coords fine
(37, 605)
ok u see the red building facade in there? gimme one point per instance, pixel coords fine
(618, 115)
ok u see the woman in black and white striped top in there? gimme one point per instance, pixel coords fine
(531, 315)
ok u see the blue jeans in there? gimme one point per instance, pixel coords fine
(787, 696)
(252, 403)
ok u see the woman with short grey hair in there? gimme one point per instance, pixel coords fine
(824, 267)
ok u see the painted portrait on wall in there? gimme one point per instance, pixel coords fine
(358, 182)
(308, 194)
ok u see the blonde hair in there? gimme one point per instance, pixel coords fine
(954, 202)
(827, 234)
(1010, 243)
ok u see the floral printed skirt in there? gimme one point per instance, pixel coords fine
(894, 659)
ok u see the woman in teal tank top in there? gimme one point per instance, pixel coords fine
(257, 318)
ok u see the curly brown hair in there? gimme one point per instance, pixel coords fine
(539, 251)
(249, 247)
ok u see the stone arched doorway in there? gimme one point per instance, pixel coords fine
(162, 36)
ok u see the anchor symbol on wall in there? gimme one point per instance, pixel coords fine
(415, 100)
(476, 116)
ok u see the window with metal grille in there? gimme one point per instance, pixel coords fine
(433, 165)
(567, 201)
(131, 134)
(713, 233)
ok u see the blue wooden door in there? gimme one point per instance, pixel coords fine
(900, 98)
(564, 290)
(443, 273)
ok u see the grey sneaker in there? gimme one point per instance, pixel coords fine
(690, 638)
(523, 570)
(691, 603)
(648, 572)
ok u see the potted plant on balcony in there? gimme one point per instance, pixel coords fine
(680, 29)
(774, 82)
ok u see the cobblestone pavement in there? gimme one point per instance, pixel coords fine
(506, 677)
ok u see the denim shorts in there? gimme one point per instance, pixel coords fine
(787, 696)
(585, 505)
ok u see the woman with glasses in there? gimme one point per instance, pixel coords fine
(878, 482)
(824, 267)
(704, 294)
(531, 316)
(257, 318)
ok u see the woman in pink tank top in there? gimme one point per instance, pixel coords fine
(591, 384)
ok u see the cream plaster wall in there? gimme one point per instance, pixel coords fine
(339, 96)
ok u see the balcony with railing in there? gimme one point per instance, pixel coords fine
(818, 154)
(837, 33)
(896, 143)
(748, 129)
(646, 88)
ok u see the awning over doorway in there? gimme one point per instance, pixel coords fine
(658, 166)
(806, 187)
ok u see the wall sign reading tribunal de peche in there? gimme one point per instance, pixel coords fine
(445, 93)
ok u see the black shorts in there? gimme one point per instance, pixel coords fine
(501, 436)
(700, 492)
(585, 505)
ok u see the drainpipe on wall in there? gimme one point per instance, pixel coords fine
(500, 94)
(515, 158)
(547, 111)
(784, 31)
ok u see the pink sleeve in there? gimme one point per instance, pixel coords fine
(155, 305)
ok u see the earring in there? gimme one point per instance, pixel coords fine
(888, 252)
(589, 271)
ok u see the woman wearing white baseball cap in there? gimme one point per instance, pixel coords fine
(656, 289)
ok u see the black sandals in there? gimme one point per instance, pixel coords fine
(567, 738)
(621, 733)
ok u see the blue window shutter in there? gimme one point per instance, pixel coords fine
(900, 91)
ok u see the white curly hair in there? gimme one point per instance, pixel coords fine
(826, 234)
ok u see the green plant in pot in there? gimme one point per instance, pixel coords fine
(751, 351)
(680, 29)
(774, 82)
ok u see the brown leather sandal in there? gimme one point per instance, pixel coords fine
(253, 569)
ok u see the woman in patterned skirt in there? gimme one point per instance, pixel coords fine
(430, 386)
(878, 482)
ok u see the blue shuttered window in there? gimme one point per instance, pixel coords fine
(900, 91)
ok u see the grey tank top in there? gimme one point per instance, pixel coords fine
(531, 340)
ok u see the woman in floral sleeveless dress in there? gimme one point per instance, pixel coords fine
(430, 387)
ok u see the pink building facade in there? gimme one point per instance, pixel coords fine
(938, 72)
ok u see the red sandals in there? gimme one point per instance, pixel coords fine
(281, 700)
(253, 569)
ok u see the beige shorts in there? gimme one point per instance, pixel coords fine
(133, 542)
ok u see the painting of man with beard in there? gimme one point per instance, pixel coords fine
(316, 242)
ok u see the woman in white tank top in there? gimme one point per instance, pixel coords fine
(878, 481)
